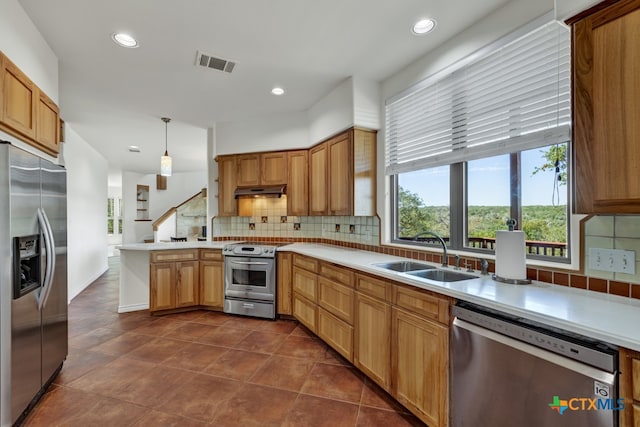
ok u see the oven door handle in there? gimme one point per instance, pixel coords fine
(249, 263)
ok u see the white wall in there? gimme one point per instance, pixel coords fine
(331, 114)
(86, 212)
(274, 132)
(366, 103)
(180, 187)
(568, 8)
(25, 47)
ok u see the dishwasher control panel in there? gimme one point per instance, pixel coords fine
(567, 344)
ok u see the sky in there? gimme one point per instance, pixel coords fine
(488, 182)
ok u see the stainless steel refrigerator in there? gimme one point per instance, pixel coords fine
(33, 278)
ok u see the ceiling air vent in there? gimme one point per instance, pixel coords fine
(209, 61)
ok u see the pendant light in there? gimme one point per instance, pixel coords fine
(165, 161)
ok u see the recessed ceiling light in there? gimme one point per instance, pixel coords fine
(134, 148)
(124, 40)
(277, 91)
(423, 26)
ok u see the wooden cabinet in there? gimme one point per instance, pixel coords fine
(262, 169)
(318, 191)
(342, 174)
(630, 387)
(305, 291)
(248, 169)
(606, 107)
(305, 283)
(396, 334)
(48, 124)
(420, 366)
(174, 281)
(25, 111)
(306, 312)
(211, 278)
(227, 173)
(372, 338)
(335, 177)
(336, 298)
(298, 183)
(285, 279)
(335, 332)
(273, 168)
(20, 100)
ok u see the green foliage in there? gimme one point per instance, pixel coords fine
(540, 223)
(551, 155)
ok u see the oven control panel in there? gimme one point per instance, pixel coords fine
(249, 250)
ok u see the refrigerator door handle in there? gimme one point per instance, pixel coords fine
(50, 262)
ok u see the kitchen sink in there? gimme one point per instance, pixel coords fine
(442, 275)
(404, 266)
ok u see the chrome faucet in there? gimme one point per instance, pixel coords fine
(484, 266)
(445, 259)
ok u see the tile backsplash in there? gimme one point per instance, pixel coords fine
(269, 219)
(613, 232)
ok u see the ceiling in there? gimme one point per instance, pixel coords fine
(114, 97)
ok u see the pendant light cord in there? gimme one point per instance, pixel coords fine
(166, 121)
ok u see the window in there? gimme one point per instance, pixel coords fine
(472, 147)
(114, 215)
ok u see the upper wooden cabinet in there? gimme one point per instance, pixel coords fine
(20, 100)
(25, 111)
(273, 168)
(318, 170)
(606, 107)
(298, 183)
(342, 175)
(262, 169)
(48, 124)
(227, 204)
(335, 177)
(248, 169)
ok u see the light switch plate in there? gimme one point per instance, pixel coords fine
(613, 260)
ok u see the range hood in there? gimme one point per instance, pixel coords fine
(262, 191)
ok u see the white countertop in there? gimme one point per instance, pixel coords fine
(605, 317)
(163, 246)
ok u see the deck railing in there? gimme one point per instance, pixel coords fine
(534, 247)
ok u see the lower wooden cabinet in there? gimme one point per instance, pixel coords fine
(420, 366)
(284, 285)
(173, 285)
(305, 283)
(336, 332)
(211, 278)
(630, 388)
(372, 339)
(174, 281)
(336, 298)
(306, 312)
(212, 284)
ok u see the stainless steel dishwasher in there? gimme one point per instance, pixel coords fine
(508, 371)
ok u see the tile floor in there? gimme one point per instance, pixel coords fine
(202, 368)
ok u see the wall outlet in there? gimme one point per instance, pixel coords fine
(614, 260)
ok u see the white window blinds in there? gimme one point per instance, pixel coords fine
(515, 98)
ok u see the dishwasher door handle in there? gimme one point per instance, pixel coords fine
(556, 359)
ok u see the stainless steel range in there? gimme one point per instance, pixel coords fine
(250, 279)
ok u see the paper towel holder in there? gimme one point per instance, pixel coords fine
(511, 223)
